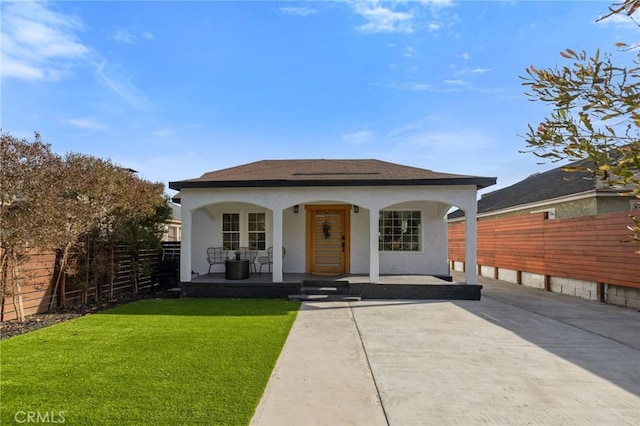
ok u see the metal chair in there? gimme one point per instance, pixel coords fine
(216, 256)
(250, 254)
(268, 259)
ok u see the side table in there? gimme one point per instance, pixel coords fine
(236, 269)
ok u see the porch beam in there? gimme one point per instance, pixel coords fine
(277, 246)
(374, 253)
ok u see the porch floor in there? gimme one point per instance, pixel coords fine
(297, 278)
(388, 287)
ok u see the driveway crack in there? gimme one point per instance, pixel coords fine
(366, 356)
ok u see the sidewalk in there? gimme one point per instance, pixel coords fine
(519, 356)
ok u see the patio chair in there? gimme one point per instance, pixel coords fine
(250, 254)
(268, 259)
(216, 256)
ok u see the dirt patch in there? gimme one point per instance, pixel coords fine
(37, 321)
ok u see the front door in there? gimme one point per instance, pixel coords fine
(328, 239)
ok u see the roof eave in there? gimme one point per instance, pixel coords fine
(479, 182)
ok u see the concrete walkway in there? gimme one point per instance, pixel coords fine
(519, 356)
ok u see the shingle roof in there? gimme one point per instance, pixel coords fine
(538, 187)
(321, 172)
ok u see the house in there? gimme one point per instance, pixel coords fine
(559, 193)
(173, 226)
(332, 216)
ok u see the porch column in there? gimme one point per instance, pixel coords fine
(471, 245)
(185, 246)
(374, 253)
(277, 245)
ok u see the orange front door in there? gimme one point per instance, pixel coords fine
(328, 239)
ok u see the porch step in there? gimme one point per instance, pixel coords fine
(174, 292)
(325, 287)
(324, 297)
(325, 290)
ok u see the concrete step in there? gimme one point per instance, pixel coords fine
(325, 287)
(324, 290)
(325, 297)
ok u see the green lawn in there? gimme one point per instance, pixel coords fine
(160, 362)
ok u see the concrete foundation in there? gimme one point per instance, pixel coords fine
(613, 294)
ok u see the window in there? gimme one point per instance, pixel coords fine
(231, 230)
(257, 231)
(399, 231)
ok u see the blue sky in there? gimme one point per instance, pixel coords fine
(176, 89)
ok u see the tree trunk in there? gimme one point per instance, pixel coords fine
(17, 290)
(60, 279)
(111, 275)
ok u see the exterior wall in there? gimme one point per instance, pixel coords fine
(360, 242)
(205, 207)
(574, 208)
(613, 204)
(295, 226)
(432, 258)
(208, 222)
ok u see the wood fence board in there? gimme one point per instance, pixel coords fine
(591, 248)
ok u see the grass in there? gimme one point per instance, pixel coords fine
(160, 362)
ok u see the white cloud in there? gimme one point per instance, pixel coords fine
(112, 77)
(127, 37)
(480, 70)
(85, 123)
(621, 20)
(410, 86)
(408, 52)
(444, 142)
(441, 3)
(380, 19)
(434, 26)
(456, 82)
(124, 36)
(38, 43)
(162, 133)
(298, 10)
(359, 138)
(465, 56)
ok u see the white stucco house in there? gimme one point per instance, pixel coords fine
(333, 216)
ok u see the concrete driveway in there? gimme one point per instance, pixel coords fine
(520, 356)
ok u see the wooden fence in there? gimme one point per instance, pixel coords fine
(591, 248)
(37, 273)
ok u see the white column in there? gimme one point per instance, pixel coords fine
(471, 244)
(374, 253)
(277, 245)
(185, 246)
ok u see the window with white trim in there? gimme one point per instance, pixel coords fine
(257, 231)
(399, 230)
(231, 230)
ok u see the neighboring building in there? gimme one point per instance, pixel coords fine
(332, 216)
(173, 226)
(560, 193)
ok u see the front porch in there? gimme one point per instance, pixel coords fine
(388, 286)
